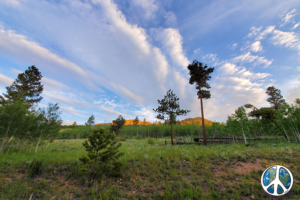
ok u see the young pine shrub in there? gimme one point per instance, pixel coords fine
(102, 148)
(138, 137)
(35, 168)
(151, 141)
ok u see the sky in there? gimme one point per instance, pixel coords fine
(118, 57)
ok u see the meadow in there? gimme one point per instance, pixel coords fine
(151, 169)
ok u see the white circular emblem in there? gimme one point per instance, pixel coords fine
(277, 180)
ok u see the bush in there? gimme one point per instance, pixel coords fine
(138, 137)
(102, 148)
(123, 139)
(35, 168)
(151, 141)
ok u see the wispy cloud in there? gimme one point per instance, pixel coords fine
(5, 81)
(256, 46)
(267, 31)
(288, 39)
(254, 31)
(256, 60)
(287, 18)
(171, 41)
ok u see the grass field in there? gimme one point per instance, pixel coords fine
(216, 171)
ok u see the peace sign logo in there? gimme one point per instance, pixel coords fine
(277, 180)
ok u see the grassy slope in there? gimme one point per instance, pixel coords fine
(150, 172)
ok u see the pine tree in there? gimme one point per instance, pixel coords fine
(171, 108)
(118, 124)
(103, 155)
(275, 99)
(200, 76)
(136, 121)
(91, 121)
(30, 83)
(144, 122)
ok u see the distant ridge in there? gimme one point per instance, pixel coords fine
(196, 121)
(187, 121)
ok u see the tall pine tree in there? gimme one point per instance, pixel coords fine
(275, 99)
(30, 83)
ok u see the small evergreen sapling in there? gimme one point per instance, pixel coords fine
(103, 155)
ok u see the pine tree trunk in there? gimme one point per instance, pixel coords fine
(37, 145)
(202, 115)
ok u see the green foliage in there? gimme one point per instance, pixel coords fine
(275, 99)
(118, 124)
(151, 141)
(102, 158)
(91, 121)
(14, 118)
(123, 139)
(136, 121)
(28, 83)
(35, 168)
(200, 75)
(138, 137)
(171, 108)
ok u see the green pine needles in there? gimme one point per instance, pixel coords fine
(103, 155)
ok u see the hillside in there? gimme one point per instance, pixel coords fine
(196, 120)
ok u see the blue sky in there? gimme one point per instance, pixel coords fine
(110, 58)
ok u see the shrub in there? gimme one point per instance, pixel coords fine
(102, 148)
(123, 139)
(151, 141)
(138, 137)
(35, 168)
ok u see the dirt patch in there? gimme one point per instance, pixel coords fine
(8, 179)
(241, 167)
(247, 167)
(20, 176)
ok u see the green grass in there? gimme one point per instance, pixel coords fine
(150, 171)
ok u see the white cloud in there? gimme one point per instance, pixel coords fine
(288, 17)
(256, 46)
(171, 41)
(12, 2)
(248, 58)
(196, 51)
(298, 68)
(133, 97)
(72, 111)
(234, 45)
(5, 81)
(117, 19)
(52, 84)
(254, 30)
(291, 88)
(229, 69)
(17, 43)
(211, 57)
(267, 31)
(244, 58)
(296, 25)
(79, 103)
(170, 18)
(67, 122)
(289, 39)
(148, 7)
